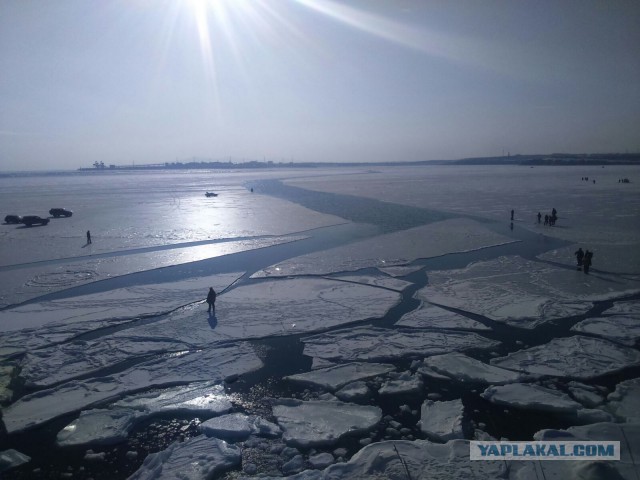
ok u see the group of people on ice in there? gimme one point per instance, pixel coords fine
(549, 219)
(584, 260)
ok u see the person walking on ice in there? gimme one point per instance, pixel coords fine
(88, 237)
(211, 300)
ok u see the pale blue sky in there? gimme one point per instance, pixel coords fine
(150, 81)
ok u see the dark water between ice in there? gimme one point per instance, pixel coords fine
(284, 355)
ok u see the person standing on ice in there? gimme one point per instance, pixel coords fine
(211, 300)
(539, 217)
(512, 215)
(88, 237)
(586, 262)
(579, 256)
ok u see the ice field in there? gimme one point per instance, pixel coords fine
(369, 322)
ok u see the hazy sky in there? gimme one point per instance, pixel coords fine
(151, 81)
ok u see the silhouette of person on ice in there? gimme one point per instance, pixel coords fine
(579, 256)
(211, 300)
(88, 237)
(586, 262)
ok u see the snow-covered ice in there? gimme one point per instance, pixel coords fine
(624, 328)
(577, 357)
(335, 377)
(194, 459)
(316, 423)
(432, 316)
(461, 368)
(39, 324)
(370, 344)
(251, 311)
(624, 402)
(393, 249)
(521, 292)
(376, 281)
(442, 420)
(631, 307)
(219, 363)
(608, 257)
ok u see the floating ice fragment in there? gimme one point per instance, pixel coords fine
(12, 458)
(354, 392)
(99, 427)
(404, 384)
(369, 343)
(335, 377)
(231, 427)
(315, 423)
(197, 458)
(459, 367)
(431, 316)
(197, 398)
(624, 329)
(442, 420)
(531, 397)
(578, 357)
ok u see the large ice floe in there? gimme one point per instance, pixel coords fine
(393, 249)
(216, 364)
(238, 426)
(432, 316)
(44, 323)
(461, 368)
(194, 459)
(535, 397)
(521, 292)
(278, 307)
(616, 258)
(335, 377)
(574, 357)
(371, 344)
(316, 423)
(623, 328)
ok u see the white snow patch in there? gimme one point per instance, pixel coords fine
(578, 357)
(194, 459)
(316, 423)
(459, 367)
(393, 249)
(369, 344)
(335, 377)
(442, 421)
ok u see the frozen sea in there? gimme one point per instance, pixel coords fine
(368, 321)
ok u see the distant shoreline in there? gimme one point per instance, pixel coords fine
(553, 159)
